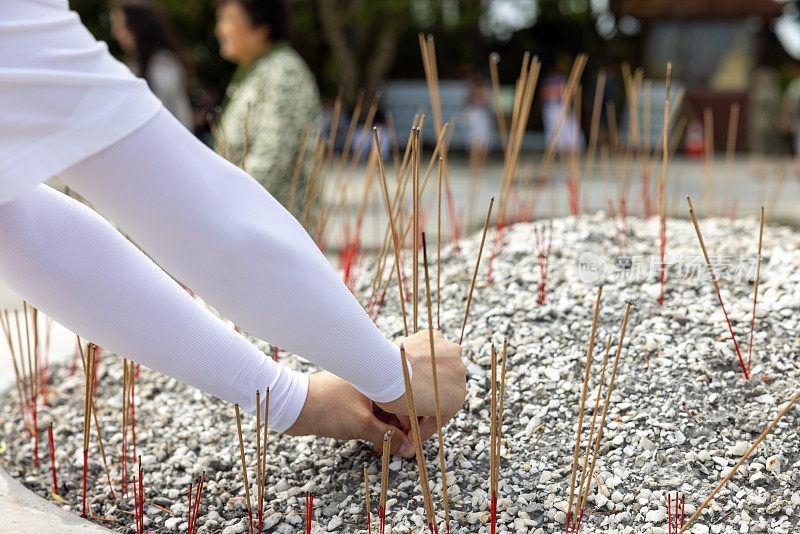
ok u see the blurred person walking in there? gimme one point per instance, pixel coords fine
(569, 135)
(153, 52)
(275, 87)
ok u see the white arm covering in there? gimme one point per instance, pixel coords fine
(219, 232)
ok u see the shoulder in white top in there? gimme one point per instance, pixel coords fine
(63, 96)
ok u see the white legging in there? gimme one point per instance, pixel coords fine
(215, 229)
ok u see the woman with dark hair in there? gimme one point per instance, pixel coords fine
(274, 86)
(153, 52)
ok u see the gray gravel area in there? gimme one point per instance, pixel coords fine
(680, 416)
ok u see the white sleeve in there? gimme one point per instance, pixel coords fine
(73, 265)
(62, 95)
(69, 108)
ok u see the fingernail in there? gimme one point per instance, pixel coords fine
(406, 450)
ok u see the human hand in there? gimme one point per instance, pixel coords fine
(335, 409)
(451, 378)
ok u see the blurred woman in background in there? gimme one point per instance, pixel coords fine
(153, 52)
(273, 91)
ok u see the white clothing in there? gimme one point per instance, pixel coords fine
(200, 217)
(63, 97)
(166, 77)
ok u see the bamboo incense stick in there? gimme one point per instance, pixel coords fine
(755, 293)
(141, 496)
(580, 502)
(125, 415)
(606, 405)
(662, 190)
(434, 374)
(492, 434)
(264, 457)
(259, 474)
(415, 238)
(740, 462)
(33, 379)
(298, 165)
(439, 250)
(87, 410)
(394, 233)
(716, 286)
(385, 459)
(244, 465)
(97, 429)
(599, 90)
(730, 151)
(494, 59)
(499, 402)
(644, 153)
(366, 499)
(417, 439)
(475, 272)
(587, 368)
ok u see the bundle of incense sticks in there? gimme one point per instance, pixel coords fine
(128, 418)
(672, 522)
(584, 491)
(96, 423)
(586, 373)
(398, 195)
(417, 441)
(87, 411)
(428, 52)
(385, 459)
(194, 509)
(434, 374)
(29, 375)
(309, 511)
(716, 287)
(244, 466)
(26, 398)
(523, 98)
(495, 434)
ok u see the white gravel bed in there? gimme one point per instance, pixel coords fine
(680, 416)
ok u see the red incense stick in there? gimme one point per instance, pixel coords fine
(309, 511)
(52, 458)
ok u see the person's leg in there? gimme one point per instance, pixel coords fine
(218, 231)
(66, 260)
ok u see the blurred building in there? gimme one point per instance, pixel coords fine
(716, 48)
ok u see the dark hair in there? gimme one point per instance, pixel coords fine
(271, 13)
(152, 31)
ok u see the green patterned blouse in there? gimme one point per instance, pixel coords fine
(283, 98)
